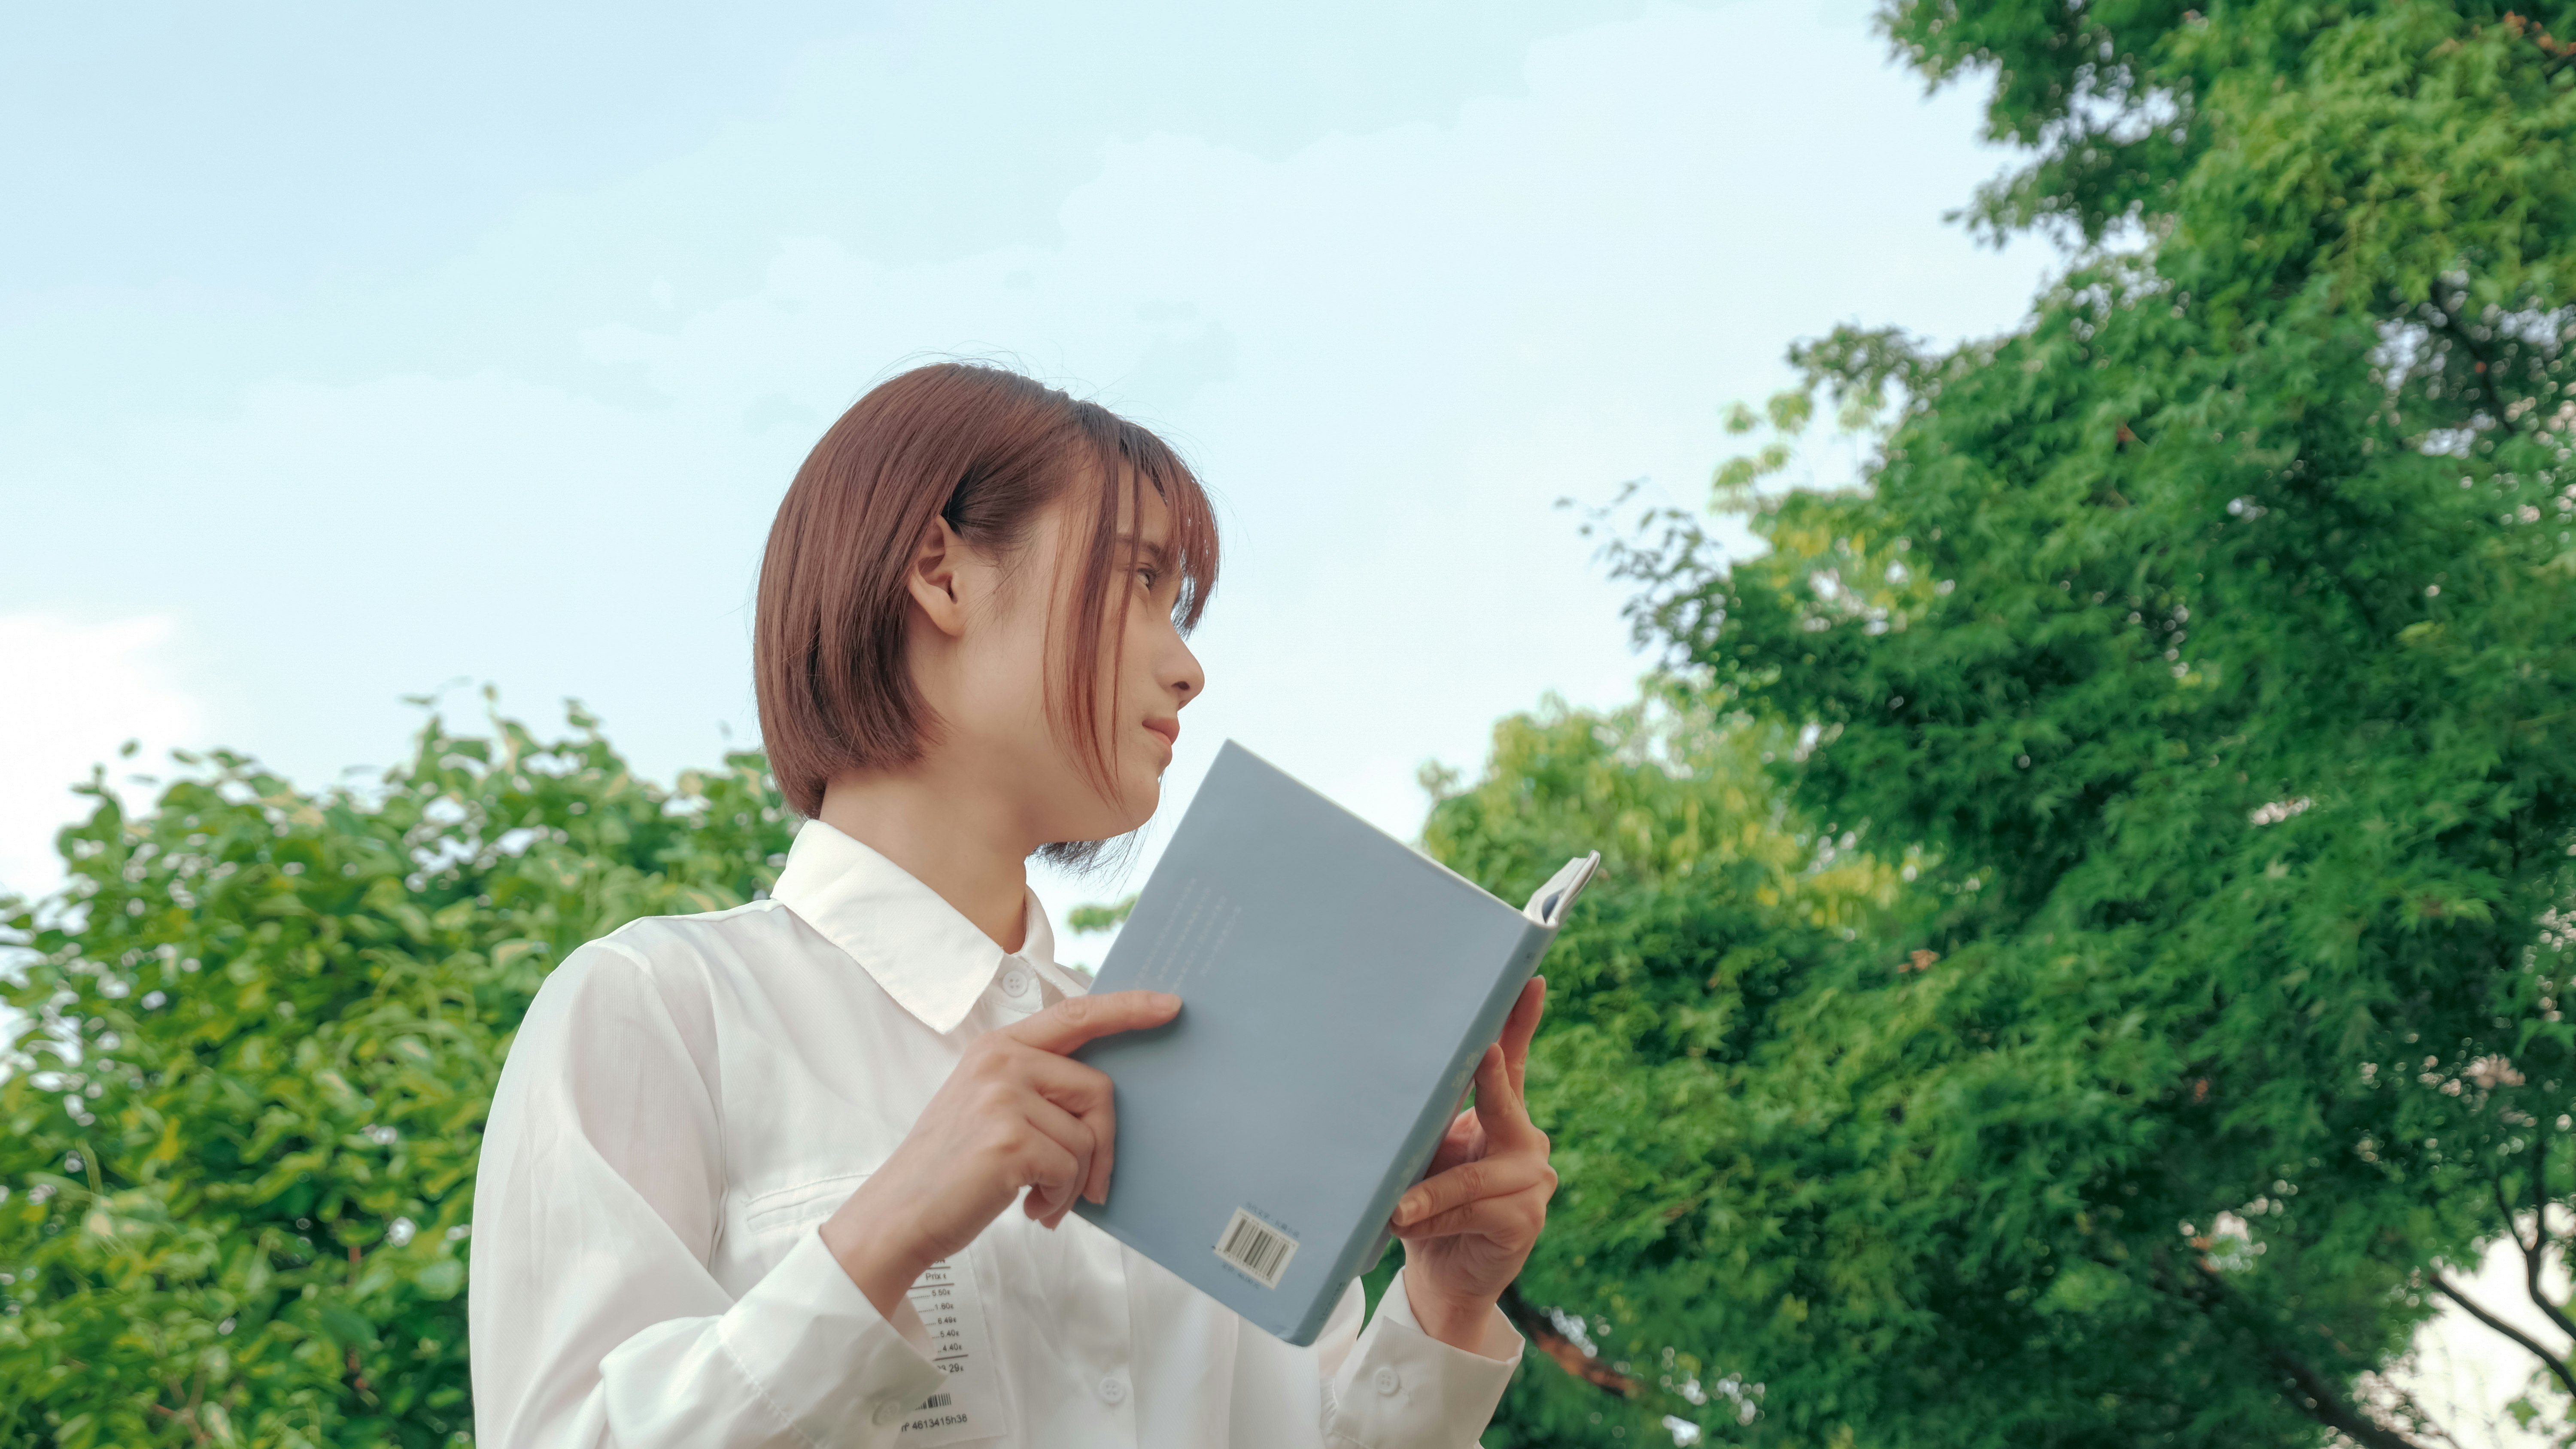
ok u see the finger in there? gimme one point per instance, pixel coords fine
(1073, 1135)
(1521, 1025)
(1050, 1171)
(1499, 1109)
(1463, 1142)
(1065, 1182)
(1069, 1084)
(1498, 1176)
(1078, 1019)
(1512, 1219)
(1087, 1093)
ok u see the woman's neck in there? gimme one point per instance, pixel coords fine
(958, 840)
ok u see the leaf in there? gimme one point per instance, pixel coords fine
(442, 1279)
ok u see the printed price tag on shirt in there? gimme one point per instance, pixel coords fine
(970, 1406)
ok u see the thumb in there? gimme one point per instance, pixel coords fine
(1499, 1109)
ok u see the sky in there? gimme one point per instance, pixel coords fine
(352, 354)
(356, 357)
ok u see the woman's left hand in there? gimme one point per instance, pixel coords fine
(1468, 1226)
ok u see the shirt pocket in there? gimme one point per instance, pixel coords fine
(784, 1209)
(761, 1227)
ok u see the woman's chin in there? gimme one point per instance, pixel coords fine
(1107, 821)
(1141, 799)
(1152, 799)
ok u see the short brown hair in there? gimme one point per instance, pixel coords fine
(986, 449)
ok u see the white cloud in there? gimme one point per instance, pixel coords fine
(78, 691)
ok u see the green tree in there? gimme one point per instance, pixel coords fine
(2212, 641)
(1686, 968)
(237, 1167)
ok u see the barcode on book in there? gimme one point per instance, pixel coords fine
(937, 1401)
(1256, 1247)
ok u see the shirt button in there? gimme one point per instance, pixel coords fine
(887, 1411)
(1015, 983)
(1112, 1390)
(1386, 1380)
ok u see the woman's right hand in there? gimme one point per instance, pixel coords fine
(1017, 1113)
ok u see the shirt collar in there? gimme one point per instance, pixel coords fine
(930, 959)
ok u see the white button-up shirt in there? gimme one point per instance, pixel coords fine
(691, 1096)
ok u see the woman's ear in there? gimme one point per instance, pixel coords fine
(933, 577)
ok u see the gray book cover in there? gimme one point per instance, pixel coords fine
(1338, 989)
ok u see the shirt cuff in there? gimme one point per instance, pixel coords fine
(1401, 1387)
(819, 1354)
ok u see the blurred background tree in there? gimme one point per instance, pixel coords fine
(237, 1175)
(1699, 956)
(2205, 647)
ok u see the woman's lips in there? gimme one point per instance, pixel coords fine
(1168, 729)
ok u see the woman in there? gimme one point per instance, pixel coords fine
(749, 1175)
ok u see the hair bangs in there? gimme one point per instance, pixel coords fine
(1193, 547)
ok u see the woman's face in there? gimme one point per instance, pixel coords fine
(999, 709)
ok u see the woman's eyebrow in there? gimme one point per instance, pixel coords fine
(1150, 551)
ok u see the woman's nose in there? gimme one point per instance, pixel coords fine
(1189, 679)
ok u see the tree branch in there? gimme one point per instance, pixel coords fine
(1535, 1325)
(2318, 1400)
(2309, 1391)
(2556, 1364)
(2504, 1210)
(2538, 1254)
(2423, 1422)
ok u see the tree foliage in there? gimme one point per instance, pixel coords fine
(237, 1169)
(1703, 947)
(2208, 639)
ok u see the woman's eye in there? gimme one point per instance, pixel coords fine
(1148, 576)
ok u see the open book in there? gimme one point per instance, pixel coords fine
(1338, 989)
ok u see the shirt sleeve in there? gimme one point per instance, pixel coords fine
(593, 1318)
(1397, 1387)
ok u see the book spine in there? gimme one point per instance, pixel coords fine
(1366, 1249)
